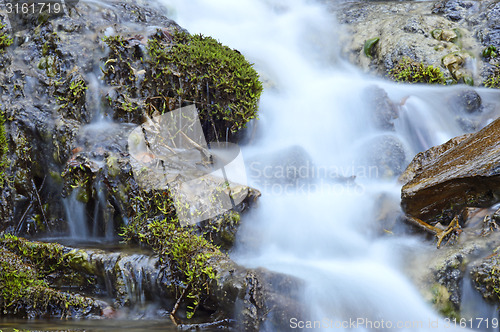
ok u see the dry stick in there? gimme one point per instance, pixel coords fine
(40, 203)
(454, 226)
(423, 225)
(177, 304)
(21, 221)
(216, 324)
(198, 147)
(439, 233)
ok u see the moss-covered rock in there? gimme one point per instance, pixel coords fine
(172, 68)
(155, 225)
(219, 80)
(25, 291)
(493, 80)
(486, 277)
(5, 40)
(409, 71)
(3, 149)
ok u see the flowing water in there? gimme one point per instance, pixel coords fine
(323, 229)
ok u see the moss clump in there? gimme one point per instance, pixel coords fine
(493, 81)
(49, 258)
(24, 292)
(3, 149)
(410, 71)
(224, 86)
(441, 301)
(180, 68)
(71, 95)
(187, 253)
(5, 41)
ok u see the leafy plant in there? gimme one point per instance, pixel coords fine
(490, 52)
(5, 41)
(3, 149)
(493, 81)
(155, 225)
(410, 71)
(368, 47)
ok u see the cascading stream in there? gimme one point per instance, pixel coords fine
(323, 229)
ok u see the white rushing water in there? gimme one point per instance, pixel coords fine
(323, 232)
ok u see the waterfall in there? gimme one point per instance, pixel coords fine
(76, 216)
(320, 226)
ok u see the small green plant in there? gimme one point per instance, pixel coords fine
(75, 93)
(490, 52)
(368, 47)
(5, 41)
(156, 225)
(410, 71)
(3, 148)
(493, 81)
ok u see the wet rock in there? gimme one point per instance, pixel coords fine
(442, 181)
(387, 154)
(486, 277)
(44, 83)
(470, 259)
(404, 30)
(466, 101)
(384, 111)
(25, 277)
(407, 30)
(454, 10)
(257, 297)
(450, 275)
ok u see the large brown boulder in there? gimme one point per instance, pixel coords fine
(463, 172)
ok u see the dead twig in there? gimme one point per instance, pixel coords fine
(176, 306)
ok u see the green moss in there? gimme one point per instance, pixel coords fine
(410, 71)
(490, 52)
(182, 68)
(47, 257)
(155, 225)
(368, 47)
(74, 93)
(469, 80)
(78, 177)
(221, 82)
(441, 301)
(493, 81)
(5, 41)
(23, 287)
(3, 148)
